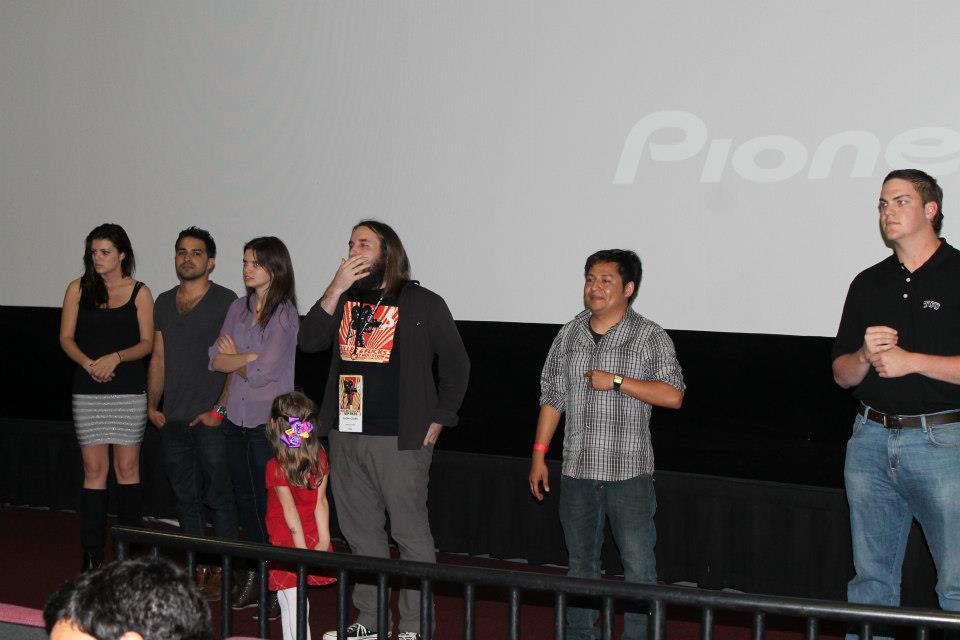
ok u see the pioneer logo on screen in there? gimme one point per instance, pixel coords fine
(774, 158)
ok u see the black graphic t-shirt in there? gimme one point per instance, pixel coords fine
(366, 339)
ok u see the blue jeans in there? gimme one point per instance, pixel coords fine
(196, 462)
(247, 455)
(630, 505)
(893, 476)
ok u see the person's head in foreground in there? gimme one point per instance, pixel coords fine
(136, 599)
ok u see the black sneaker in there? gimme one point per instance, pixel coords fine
(356, 631)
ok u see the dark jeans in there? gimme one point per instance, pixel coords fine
(247, 455)
(196, 462)
(630, 505)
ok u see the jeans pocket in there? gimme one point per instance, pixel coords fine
(946, 436)
(857, 425)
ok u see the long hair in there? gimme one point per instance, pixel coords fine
(93, 290)
(394, 256)
(301, 465)
(273, 256)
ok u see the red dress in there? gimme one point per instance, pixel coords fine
(306, 501)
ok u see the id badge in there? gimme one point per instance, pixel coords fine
(351, 404)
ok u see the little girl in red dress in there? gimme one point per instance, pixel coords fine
(298, 514)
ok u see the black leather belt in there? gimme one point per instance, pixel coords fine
(909, 422)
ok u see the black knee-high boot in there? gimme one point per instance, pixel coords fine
(93, 526)
(129, 505)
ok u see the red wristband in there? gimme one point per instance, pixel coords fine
(540, 447)
(213, 412)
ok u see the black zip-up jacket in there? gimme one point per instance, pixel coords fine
(426, 329)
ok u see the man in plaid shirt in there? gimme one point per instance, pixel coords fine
(606, 369)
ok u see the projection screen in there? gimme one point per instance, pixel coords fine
(737, 146)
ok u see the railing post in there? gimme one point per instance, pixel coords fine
(759, 625)
(301, 602)
(343, 602)
(560, 618)
(706, 624)
(226, 600)
(469, 612)
(657, 620)
(812, 625)
(263, 605)
(514, 631)
(426, 609)
(383, 607)
(607, 619)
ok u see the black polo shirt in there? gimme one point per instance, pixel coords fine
(924, 308)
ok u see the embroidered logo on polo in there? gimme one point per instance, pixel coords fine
(367, 331)
(931, 304)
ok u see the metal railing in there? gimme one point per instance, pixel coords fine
(656, 597)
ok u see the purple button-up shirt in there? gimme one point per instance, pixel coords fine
(271, 374)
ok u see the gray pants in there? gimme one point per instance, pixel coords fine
(372, 478)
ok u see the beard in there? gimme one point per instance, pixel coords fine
(187, 276)
(373, 280)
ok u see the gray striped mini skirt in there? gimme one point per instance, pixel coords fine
(110, 419)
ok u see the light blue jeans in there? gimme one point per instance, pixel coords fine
(893, 476)
(630, 505)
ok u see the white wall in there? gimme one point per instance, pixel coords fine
(504, 140)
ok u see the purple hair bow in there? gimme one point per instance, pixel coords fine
(299, 430)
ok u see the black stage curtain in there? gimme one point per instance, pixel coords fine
(749, 470)
(749, 535)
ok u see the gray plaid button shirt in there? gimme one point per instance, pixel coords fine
(607, 433)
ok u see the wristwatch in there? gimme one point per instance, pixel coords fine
(617, 381)
(222, 410)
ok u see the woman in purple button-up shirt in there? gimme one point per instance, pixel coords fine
(257, 346)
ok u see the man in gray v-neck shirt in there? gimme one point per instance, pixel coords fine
(187, 320)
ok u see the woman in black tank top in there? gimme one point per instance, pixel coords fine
(106, 327)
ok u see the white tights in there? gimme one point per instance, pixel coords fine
(288, 613)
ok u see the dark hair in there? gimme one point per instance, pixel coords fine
(926, 185)
(154, 598)
(200, 234)
(93, 290)
(273, 256)
(301, 465)
(395, 261)
(628, 264)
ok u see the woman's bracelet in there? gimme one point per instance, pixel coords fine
(540, 447)
(119, 356)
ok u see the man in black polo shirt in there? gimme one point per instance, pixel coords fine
(899, 345)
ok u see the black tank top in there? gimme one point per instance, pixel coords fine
(102, 331)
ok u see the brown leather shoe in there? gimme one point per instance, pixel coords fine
(208, 582)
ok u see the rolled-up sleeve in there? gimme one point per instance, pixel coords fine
(553, 381)
(659, 358)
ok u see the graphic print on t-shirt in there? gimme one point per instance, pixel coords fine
(367, 331)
